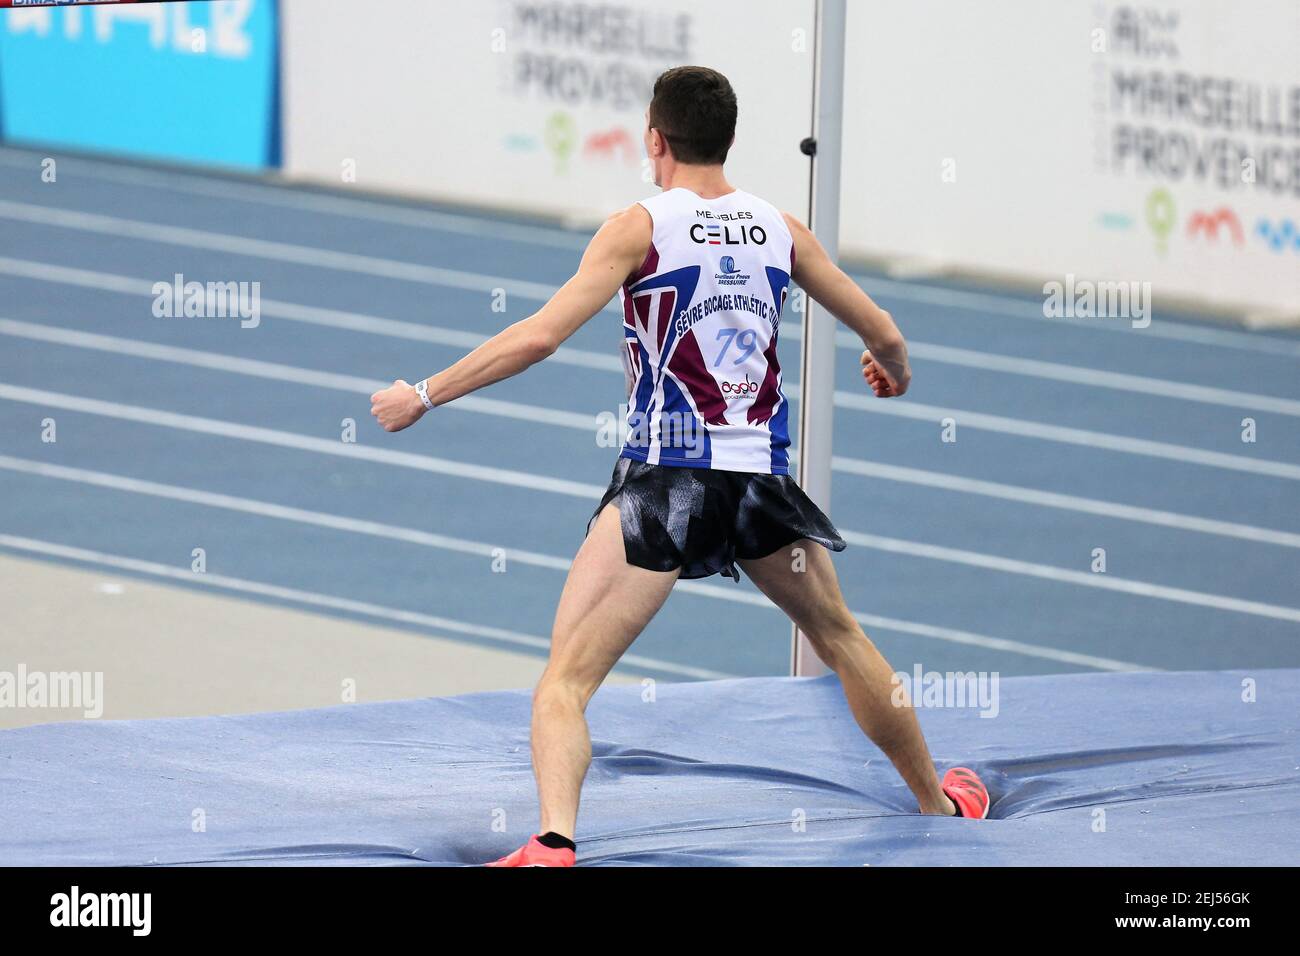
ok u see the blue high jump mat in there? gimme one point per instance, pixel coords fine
(1091, 770)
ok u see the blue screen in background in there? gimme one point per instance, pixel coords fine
(182, 81)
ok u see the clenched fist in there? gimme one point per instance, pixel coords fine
(397, 407)
(887, 379)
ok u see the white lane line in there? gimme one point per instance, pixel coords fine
(955, 636)
(311, 315)
(991, 305)
(417, 332)
(118, 228)
(1050, 499)
(306, 198)
(986, 361)
(485, 549)
(278, 372)
(265, 509)
(967, 358)
(983, 303)
(1091, 377)
(991, 562)
(1023, 428)
(282, 439)
(485, 284)
(590, 423)
(576, 489)
(328, 601)
(905, 409)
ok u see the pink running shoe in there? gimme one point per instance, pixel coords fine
(533, 853)
(968, 792)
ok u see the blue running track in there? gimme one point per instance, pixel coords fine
(973, 554)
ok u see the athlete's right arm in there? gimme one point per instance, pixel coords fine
(615, 252)
(884, 363)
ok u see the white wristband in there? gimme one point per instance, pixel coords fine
(422, 389)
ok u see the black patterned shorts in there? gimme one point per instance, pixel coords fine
(702, 520)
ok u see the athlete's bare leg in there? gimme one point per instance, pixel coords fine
(811, 597)
(605, 604)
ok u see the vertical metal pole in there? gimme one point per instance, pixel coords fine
(817, 375)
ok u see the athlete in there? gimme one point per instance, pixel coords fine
(702, 483)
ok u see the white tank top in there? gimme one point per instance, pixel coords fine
(700, 320)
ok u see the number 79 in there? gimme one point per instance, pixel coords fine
(746, 341)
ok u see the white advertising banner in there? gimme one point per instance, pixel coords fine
(534, 106)
(1108, 141)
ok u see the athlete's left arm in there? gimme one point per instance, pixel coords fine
(884, 363)
(617, 249)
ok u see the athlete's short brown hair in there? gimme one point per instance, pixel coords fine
(694, 109)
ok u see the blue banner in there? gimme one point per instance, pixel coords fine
(180, 81)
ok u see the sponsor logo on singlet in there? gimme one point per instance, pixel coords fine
(746, 389)
(727, 234)
(728, 274)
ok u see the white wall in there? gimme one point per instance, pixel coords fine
(1013, 94)
(452, 101)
